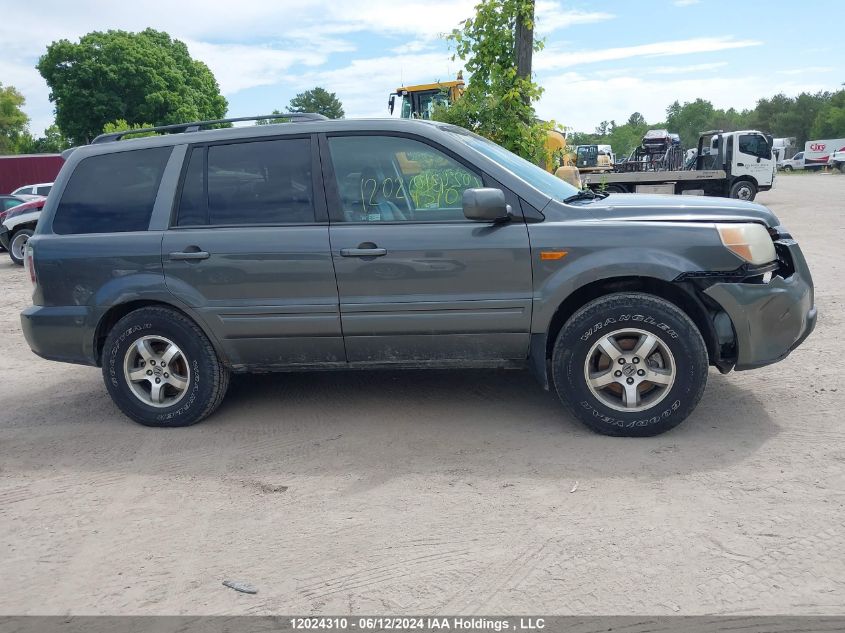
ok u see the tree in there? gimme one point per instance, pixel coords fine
(317, 100)
(53, 142)
(13, 121)
(497, 102)
(830, 121)
(137, 77)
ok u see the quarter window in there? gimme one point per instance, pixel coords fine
(393, 179)
(111, 193)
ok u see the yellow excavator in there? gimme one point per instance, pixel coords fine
(418, 102)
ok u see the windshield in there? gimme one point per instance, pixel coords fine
(538, 178)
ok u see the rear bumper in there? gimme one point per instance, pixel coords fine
(56, 333)
(769, 320)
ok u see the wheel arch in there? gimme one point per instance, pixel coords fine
(683, 298)
(116, 312)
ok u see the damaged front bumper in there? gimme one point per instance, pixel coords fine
(770, 319)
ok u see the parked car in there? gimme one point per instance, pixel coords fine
(796, 163)
(7, 202)
(17, 227)
(41, 189)
(837, 161)
(174, 260)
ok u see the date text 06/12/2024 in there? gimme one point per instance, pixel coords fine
(382, 623)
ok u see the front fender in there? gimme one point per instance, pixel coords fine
(609, 250)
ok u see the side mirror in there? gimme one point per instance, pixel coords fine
(486, 205)
(390, 103)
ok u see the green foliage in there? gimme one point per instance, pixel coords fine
(692, 118)
(317, 100)
(497, 102)
(121, 124)
(13, 121)
(804, 117)
(137, 77)
(53, 142)
(790, 116)
(830, 121)
(623, 138)
(269, 121)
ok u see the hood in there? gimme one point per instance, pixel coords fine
(666, 208)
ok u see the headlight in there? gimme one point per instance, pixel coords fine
(750, 242)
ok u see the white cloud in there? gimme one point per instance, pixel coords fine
(553, 57)
(578, 101)
(551, 16)
(807, 70)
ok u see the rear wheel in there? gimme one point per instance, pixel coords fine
(17, 245)
(744, 190)
(630, 364)
(161, 370)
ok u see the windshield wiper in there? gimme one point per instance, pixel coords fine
(585, 194)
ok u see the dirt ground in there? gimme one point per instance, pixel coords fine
(433, 492)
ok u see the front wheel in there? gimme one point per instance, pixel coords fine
(630, 364)
(787, 167)
(17, 245)
(161, 370)
(744, 190)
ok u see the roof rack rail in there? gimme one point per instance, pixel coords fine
(195, 126)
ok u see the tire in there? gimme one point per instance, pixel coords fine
(679, 361)
(195, 367)
(17, 245)
(787, 167)
(616, 189)
(744, 190)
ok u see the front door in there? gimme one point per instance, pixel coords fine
(753, 157)
(250, 253)
(417, 281)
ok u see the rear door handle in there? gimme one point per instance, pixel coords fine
(189, 255)
(362, 252)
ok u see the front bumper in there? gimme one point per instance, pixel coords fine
(770, 320)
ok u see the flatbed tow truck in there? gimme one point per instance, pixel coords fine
(727, 164)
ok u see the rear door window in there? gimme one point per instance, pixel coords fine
(111, 193)
(248, 183)
(43, 190)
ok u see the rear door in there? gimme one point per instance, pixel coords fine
(249, 250)
(417, 280)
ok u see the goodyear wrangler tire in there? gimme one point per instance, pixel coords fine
(630, 364)
(161, 370)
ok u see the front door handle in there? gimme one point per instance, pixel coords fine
(740, 164)
(189, 255)
(373, 251)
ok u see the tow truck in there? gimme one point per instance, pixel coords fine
(726, 164)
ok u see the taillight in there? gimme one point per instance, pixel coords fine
(29, 264)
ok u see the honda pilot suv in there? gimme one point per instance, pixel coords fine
(175, 260)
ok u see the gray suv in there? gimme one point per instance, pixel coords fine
(175, 260)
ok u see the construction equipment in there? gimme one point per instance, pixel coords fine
(594, 158)
(419, 101)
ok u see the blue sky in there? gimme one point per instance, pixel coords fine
(602, 60)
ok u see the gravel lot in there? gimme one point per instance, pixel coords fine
(433, 492)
